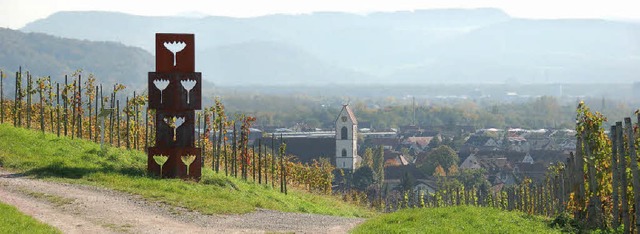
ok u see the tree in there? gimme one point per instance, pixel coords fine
(439, 171)
(444, 156)
(378, 164)
(453, 169)
(447, 141)
(434, 143)
(363, 177)
(473, 178)
(446, 183)
(406, 182)
(367, 158)
(458, 141)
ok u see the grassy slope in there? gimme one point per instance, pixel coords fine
(12, 221)
(80, 161)
(460, 219)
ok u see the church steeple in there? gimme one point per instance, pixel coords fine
(346, 139)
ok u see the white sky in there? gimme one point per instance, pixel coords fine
(16, 13)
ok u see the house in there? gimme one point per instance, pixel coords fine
(493, 165)
(393, 176)
(481, 142)
(424, 187)
(568, 145)
(517, 143)
(549, 156)
(387, 143)
(470, 162)
(417, 143)
(505, 178)
(535, 171)
(304, 149)
(499, 170)
(397, 172)
(545, 143)
(394, 158)
(496, 164)
(527, 159)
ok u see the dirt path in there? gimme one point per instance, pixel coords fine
(84, 209)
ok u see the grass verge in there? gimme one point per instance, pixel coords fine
(80, 161)
(12, 221)
(457, 219)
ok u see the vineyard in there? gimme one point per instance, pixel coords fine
(597, 187)
(79, 107)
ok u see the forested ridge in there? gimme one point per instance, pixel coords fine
(45, 55)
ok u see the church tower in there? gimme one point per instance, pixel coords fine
(346, 140)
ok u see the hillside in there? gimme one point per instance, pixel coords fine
(45, 55)
(456, 219)
(82, 162)
(418, 47)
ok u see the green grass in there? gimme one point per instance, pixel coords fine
(458, 219)
(12, 221)
(80, 161)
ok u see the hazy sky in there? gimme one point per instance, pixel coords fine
(16, 13)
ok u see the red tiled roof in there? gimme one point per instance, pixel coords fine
(422, 141)
(349, 113)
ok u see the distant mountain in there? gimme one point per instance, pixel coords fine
(346, 45)
(46, 55)
(427, 46)
(535, 51)
(263, 62)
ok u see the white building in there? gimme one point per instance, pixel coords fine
(346, 140)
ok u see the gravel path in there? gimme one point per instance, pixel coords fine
(85, 209)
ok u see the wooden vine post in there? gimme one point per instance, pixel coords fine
(58, 109)
(634, 172)
(1, 96)
(118, 114)
(28, 107)
(593, 207)
(623, 178)
(614, 168)
(95, 137)
(41, 83)
(579, 180)
(79, 101)
(50, 102)
(17, 100)
(65, 93)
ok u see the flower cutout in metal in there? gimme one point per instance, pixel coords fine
(188, 160)
(160, 160)
(174, 47)
(161, 85)
(174, 123)
(188, 85)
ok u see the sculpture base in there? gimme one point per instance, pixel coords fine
(174, 167)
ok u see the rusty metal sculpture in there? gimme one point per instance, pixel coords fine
(175, 94)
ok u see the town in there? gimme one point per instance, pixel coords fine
(504, 156)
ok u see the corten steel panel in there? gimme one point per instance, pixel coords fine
(185, 133)
(174, 96)
(184, 59)
(174, 167)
